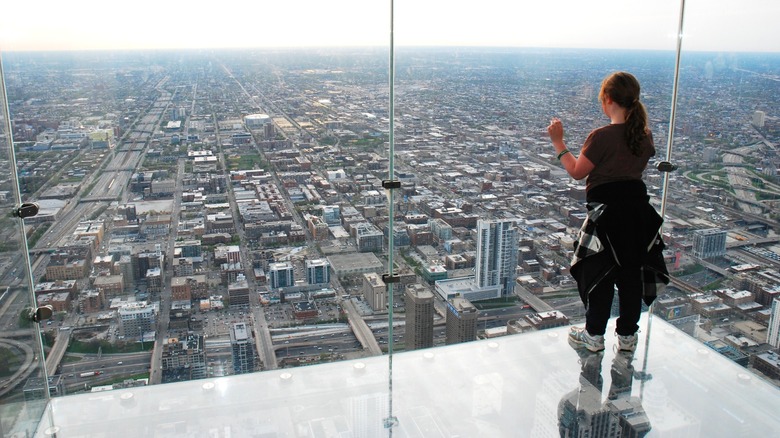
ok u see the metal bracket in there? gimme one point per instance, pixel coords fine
(28, 209)
(390, 422)
(40, 314)
(665, 166)
(391, 278)
(391, 184)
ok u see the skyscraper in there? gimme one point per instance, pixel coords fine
(759, 118)
(242, 349)
(773, 330)
(496, 264)
(497, 243)
(419, 317)
(461, 321)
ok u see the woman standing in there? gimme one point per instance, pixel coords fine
(619, 242)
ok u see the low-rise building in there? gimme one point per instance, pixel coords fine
(109, 285)
(91, 301)
(348, 264)
(60, 302)
(186, 355)
(238, 292)
(68, 269)
(768, 363)
(375, 291)
(69, 286)
(545, 320)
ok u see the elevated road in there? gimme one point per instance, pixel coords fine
(57, 351)
(360, 328)
(263, 342)
(714, 268)
(532, 300)
(750, 242)
(684, 286)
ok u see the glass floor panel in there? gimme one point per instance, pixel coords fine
(531, 384)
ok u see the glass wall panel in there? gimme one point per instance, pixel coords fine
(24, 388)
(490, 215)
(723, 202)
(209, 179)
(214, 187)
(476, 88)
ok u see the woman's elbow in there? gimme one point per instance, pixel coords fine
(581, 168)
(577, 174)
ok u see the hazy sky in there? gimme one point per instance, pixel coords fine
(720, 25)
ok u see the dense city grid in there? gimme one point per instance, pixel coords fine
(187, 197)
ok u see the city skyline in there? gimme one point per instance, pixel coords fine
(162, 156)
(91, 25)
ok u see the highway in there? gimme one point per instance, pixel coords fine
(739, 177)
(111, 367)
(321, 340)
(28, 365)
(71, 215)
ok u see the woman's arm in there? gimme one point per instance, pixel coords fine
(577, 167)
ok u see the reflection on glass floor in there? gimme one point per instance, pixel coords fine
(521, 385)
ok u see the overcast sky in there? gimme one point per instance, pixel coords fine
(718, 25)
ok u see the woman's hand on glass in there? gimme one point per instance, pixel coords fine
(556, 131)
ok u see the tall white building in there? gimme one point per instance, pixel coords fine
(773, 331)
(497, 243)
(759, 118)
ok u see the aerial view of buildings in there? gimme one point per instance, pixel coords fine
(225, 213)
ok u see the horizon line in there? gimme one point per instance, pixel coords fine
(383, 47)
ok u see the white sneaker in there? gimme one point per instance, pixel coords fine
(581, 338)
(627, 343)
